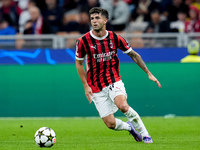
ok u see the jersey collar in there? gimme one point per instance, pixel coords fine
(99, 38)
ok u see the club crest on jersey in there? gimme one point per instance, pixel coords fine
(111, 44)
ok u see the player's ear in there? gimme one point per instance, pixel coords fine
(105, 20)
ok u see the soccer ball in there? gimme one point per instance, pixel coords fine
(45, 137)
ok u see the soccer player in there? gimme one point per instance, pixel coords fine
(103, 84)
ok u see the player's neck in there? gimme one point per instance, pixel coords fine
(100, 34)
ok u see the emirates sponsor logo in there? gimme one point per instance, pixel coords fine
(104, 56)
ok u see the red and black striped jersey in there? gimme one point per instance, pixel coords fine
(100, 54)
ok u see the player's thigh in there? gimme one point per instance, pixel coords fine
(118, 95)
(104, 104)
(117, 89)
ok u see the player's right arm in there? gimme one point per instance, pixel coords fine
(80, 53)
(81, 73)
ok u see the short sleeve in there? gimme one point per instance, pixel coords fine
(80, 51)
(123, 44)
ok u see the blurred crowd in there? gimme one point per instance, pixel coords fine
(71, 16)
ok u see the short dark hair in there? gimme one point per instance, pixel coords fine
(99, 10)
(155, 11)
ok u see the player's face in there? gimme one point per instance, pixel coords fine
(98, 22)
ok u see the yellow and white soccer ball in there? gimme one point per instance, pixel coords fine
(45, 137)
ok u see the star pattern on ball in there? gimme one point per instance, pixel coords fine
(40, 133)
(41, 144)
(45, 137)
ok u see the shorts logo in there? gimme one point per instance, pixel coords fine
(111, 87)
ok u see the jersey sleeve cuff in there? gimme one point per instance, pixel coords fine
(79, 58)
(127, 51)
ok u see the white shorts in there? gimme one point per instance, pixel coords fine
(104, 100)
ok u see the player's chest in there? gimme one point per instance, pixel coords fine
(102, 46)
(101, 51)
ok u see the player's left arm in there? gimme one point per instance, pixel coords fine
(138, 60)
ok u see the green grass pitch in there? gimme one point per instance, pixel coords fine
(179, 133)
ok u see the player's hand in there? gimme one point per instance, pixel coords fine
(88, 93)
(151, 77)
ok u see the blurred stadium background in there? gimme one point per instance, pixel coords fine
(38, 77)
